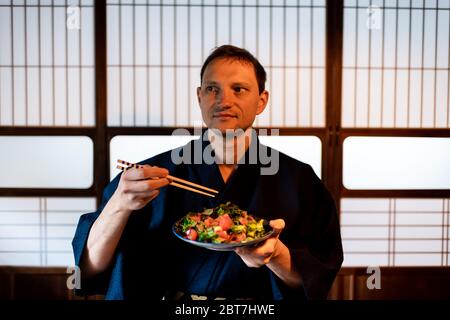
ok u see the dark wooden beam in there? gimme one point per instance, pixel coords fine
(48, 192)
(116, 131)
(393, 132)
(46, 131)
(332, 155)
(101, 163)
(438, 193)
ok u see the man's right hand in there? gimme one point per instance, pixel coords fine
(139, 186)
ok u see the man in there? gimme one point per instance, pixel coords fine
(126, 248)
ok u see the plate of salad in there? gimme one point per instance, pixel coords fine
(222, 228)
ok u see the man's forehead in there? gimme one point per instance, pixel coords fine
(242, 62)
(211, 69)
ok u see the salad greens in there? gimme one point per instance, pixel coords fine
(225, 223)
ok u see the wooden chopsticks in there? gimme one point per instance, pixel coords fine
(179, 182)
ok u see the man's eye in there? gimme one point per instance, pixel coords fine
(211, 89)
(239, 89)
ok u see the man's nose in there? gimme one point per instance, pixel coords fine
(225, 98)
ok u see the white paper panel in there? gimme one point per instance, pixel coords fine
(307, 149)
(19, 245)
(418, 245)
(362, 204)
(19, 231)
(39, 231)
(351, 260)
(19, 259)
(419, 218)
(415, 232)
(396, 163)
(46, 162)
(395, 232)
(353, 246)
(419, 205)
(431, 259)
(364, 218)
(60, 259)
(61, 218)
(367, 232)
(137, 148)
(19, 217)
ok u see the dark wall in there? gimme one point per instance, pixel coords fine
(351, 284)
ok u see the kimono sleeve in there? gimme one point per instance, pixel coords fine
(97, 284)
(318, 255)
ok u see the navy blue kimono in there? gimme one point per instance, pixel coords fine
(150, 260)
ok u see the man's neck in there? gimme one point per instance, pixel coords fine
(226, 170)
(230, 147)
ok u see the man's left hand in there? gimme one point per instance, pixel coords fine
(256, 257)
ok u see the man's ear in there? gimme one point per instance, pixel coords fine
(198, 94)
(263, 99)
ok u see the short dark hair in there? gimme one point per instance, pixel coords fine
(236, 53)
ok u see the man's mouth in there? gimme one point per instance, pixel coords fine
(223, 115)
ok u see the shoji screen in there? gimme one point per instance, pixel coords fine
(395, 98)
(46, 84)
(156, 48)
(46, 63)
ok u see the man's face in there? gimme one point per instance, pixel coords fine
(229, 97)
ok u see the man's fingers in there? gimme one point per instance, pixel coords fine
(133, 196)
(139, 200)
(261, 254)
(152, 196)
(145, 172)
(144, 185)
(264, 248)
(158, 183)
(278, 226)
